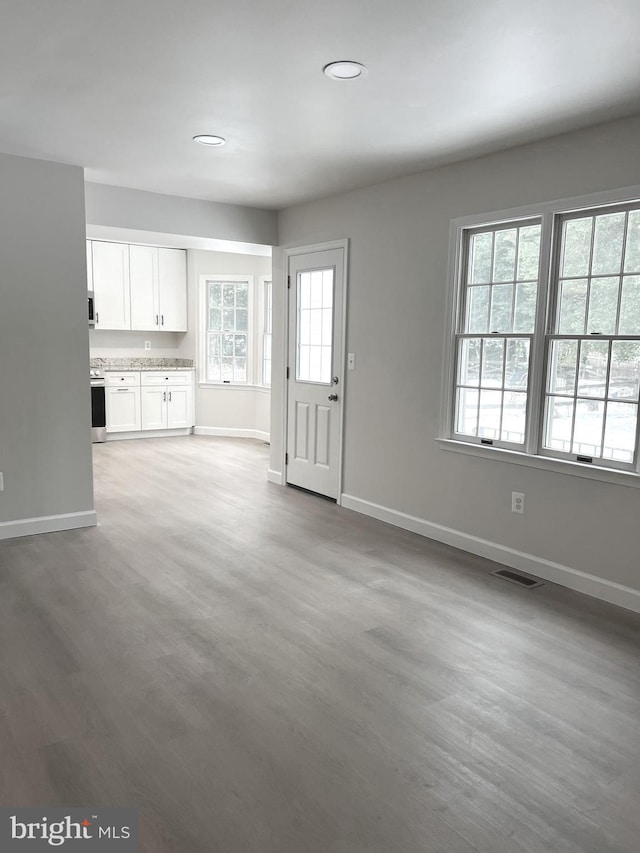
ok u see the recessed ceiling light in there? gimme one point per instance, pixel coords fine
(208, 139)
(345, 69)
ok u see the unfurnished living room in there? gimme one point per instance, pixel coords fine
(319, 434)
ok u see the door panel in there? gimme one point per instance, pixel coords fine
(143, 269)
(111, 285)
(172, 286)
(178, 407)
(323, 435)
(315, 385)
(302, 432)
(154, 407)
(123, 409)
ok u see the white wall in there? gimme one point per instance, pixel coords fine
(120, 344)
(399, 233)
(119, 207)
(45, 415)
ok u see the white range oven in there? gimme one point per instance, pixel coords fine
(98, 405)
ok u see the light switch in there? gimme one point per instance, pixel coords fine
(351, 361)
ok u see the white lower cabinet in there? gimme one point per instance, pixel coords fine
(166, 408)
(123, 409)
(149, 400)
(167, 400)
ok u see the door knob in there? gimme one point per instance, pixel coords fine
(333, 397)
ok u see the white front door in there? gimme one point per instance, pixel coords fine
(315, 370)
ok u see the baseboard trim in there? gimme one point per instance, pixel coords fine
(148, 433)
(226, 432)
(605, 590)
(275, 477)
(47, 524)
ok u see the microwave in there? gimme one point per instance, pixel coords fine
(92, 308)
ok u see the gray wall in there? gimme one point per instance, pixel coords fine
(399, 233)
(124, 208)
(45, 417)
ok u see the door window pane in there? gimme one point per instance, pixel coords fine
(315, 326)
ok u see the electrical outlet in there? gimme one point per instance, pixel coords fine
(1, 482)
(517, 502)
(147, 344)
(351, 361)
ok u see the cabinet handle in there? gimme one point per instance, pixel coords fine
(164, 397)
(122, 389)
(162, 318)
(97, 316)
(156, 319)
(169, 396)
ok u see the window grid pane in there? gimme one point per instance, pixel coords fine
(497, 324)
(315, 326)
(588, 377)
(227, 332)
(491, 390)
(502, 280)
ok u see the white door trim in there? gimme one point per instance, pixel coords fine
(288, 254)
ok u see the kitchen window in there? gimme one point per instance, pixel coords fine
(228, 336)
(545, 353)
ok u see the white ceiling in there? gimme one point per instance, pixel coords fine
(121, 86)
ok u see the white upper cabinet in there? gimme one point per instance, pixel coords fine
(111, 285)
(158, 289)
(172, 289)
(143, 268)
(143, 288)
(89, 267)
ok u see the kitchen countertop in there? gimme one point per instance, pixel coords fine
(142, 363)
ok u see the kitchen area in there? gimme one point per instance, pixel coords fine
(148, 342)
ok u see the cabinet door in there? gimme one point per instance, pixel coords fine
(143, 271)
(123, 409)
(154, 407)
(111, 285)
(172, 285)
(179, 406)
(89, 267)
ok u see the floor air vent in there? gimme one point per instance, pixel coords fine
(516, 577)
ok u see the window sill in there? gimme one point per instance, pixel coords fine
(237, 386)
(545, 463)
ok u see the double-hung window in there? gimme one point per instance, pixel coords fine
(227, 332)
(545, 358)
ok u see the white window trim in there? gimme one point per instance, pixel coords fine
(529, 456)
(262, 282)
(203, 382)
